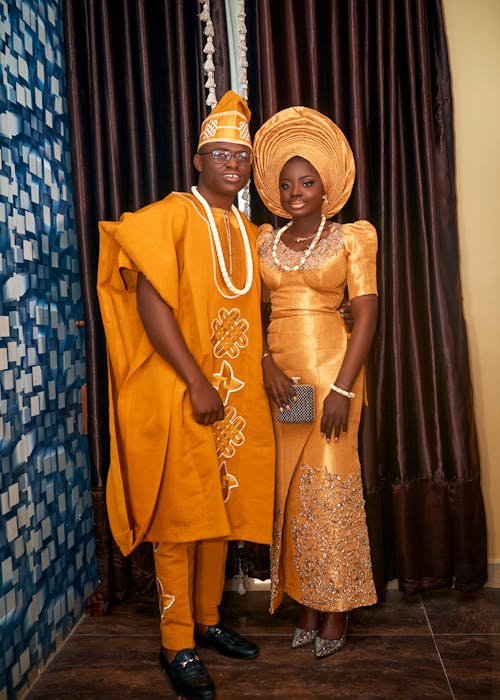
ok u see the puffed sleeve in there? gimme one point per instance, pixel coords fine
(360, 241)
(265, 231)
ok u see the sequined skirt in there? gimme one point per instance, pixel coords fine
(325, 557)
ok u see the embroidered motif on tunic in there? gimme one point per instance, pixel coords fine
(229, 336)
(225, 382)
(228, 481)
(228, 433)
(229, 333)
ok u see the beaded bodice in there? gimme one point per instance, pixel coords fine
(326, 248)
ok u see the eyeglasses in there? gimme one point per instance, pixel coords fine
(224, 155)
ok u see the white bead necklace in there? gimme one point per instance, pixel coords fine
(218, 247)
(307, 252)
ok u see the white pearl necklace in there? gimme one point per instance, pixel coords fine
(218, 247)
(307, 252)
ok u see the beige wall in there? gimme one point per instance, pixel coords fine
(473, 31)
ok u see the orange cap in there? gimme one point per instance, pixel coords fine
(228, 121)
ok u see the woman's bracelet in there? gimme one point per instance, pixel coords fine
(343, 392)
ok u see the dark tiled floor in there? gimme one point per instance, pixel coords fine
(443, 645)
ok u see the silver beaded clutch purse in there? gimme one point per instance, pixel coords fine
(302, 410)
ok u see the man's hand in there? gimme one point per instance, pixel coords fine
(205, 401)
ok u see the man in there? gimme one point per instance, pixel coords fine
(192, 449)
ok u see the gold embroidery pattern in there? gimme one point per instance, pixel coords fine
(225, 382)
(244, 130)
(228, 433)
(332, 554)
(327, 248)
(228, 481)
(165, 600)
(274, 556)
(209, 130)
(229, 333)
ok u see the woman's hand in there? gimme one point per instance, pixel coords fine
(205, 401)
(335, 415)
(346, 312)
(336, 406)
(278, 386)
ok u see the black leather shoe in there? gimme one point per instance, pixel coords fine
(227, 642)
(188, 675)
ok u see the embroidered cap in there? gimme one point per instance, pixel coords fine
(228, 121)
(304, 132)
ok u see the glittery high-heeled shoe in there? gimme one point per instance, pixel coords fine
(325, 647)
(301, 637)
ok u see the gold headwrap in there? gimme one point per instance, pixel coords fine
(301, 131)
(228, 121)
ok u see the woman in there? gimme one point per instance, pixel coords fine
(304, 171)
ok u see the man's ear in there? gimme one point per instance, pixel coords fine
(197, 161)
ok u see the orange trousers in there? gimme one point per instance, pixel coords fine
(190, 581)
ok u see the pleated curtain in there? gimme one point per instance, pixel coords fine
(378, 68)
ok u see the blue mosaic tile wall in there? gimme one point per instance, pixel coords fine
(47, 549)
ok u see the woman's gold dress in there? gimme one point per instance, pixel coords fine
(320, 554)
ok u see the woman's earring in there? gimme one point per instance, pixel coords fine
(325, 197)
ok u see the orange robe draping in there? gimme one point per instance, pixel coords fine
(171, 479)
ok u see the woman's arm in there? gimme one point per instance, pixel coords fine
(278, 385)
(336, 406)
(166, 338)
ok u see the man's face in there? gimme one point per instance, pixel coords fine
(221, 180)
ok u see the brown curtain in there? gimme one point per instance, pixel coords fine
(136, 100)
(380, 69)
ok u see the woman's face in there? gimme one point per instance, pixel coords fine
(301, 189)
